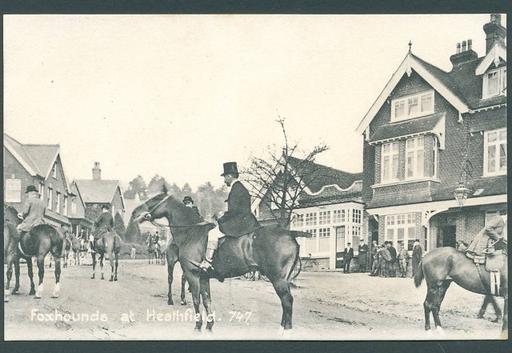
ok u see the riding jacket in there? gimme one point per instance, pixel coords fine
(33, 214)
(104, 223)
(238, 220)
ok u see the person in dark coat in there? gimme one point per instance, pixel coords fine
(187, 201)
(417, 253)
(349, 254)
(33, 211)
(238, 220)
(393, 265)
(363, 255)
(373, 258)
(104, 224)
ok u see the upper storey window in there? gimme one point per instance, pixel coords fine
(495, 82)
(412, 106)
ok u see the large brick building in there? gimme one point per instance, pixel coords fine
(330, 208)
(39, 165)
(430, 131)
(97, 192)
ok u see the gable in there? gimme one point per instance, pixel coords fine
(493, 58)
(436, 78)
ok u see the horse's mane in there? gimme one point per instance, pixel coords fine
(183, 215)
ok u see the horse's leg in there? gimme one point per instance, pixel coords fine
(16, 262)
(427, 305)
(10, 262)
(111, 259)
(282, 288)
(56, 290)
(102, 255)
(40, 267)
(183, 284)
(30, 271)
(504, 328)
(116, 266)
(438, 299)
(207, 301)
(483, 308)
(193, 281)
(93, 255)
(496, 307)
(170, 274)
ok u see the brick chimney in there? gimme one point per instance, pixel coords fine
(96, 171)
(464, 53)
(494, 32)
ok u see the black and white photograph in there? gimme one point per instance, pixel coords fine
(335, 177)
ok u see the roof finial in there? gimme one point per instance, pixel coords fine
(410, 45)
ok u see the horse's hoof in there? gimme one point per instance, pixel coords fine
(170, 302)
(93, 277)
(280, 332)
(183, 302)
(111, 279)
(56, 291)
(115, 279)
(102, 277)
(32, 292)
(496, 320)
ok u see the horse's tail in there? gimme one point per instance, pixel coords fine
(296, 268)
(418, 277)
(299, 234)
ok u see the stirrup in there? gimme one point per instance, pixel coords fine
(206, 265)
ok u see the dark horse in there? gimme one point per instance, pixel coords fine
(109, 247)
(271, 250)
(442, 266)
(41, 240)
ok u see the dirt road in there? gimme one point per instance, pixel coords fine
(327, 306)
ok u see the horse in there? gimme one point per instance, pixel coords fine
(109, 246)
(153, 251)
(41, 240)
(271, 250)
(442, 266)
(171, 255)
(11, 240)
(72, 244)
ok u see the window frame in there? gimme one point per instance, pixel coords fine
(405, 221)
(497, 145)
(49, 203)
(415, 151)
(57, 199)
(389, 154)
(501, 82)
(406, 99)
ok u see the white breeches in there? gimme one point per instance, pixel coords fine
(213, 238)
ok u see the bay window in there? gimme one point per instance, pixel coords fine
(414, 161)
(390, 162)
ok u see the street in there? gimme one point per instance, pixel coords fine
(327, 306)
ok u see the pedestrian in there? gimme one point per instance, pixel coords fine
(363, 255)
(403, 258)
(349, 254)
(133, 251)
(373, 258)
(384, 260)
(417, 253)
(393, 262)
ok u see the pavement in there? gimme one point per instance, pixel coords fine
(327, 306)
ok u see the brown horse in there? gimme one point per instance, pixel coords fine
(11, 240)
(442, 266)
(271, 250)
(109, 247)
(39, 242)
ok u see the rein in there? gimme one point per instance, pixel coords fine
(153, 222)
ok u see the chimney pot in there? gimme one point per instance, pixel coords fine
(496, 18)
(494, 32)
(470, 44)
(464, 45)
(96, 171)
(458, 48)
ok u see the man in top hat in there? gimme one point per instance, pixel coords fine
(187, 201)
(32, 212)
(104, 223)
(238, 220)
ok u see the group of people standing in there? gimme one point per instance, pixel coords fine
(387, 261)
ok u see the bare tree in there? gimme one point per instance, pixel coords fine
(279, 180)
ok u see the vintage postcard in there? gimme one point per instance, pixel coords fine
(255, 177)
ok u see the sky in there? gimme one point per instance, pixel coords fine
(178, 95)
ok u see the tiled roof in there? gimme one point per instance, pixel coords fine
(407, 127)
(39, 158)
(318, 175)
(464, 83)
(97, 191)
(487, 186)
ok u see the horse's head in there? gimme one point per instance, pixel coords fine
(153, 208)
(11, 214)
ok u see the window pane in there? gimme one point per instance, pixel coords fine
(492, 83)
(491, 159)
(503, 156)
(395, 166)
(399, 109)
(426, 102)
(395, 147)
(419, 163)
(503, 135)
(491, 136)
(410, 163)
(413, 105)
(385, 168)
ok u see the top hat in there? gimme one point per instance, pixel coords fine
(30, 188)
(187, 199)
(230, 168)
(105, 207)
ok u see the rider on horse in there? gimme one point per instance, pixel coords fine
(238, 220)
(104, 224)
(187, 201)
(33, 211)
(493, 230)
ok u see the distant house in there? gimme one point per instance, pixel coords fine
(79, 222)
(97, 192)
(39, 165)
(330, 208)
(435, 147)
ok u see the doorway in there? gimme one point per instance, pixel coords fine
(448, 235)
(340, 246)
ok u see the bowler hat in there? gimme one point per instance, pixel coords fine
(187, 199)
(30, 188)
(105, 207)
(230, 168)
